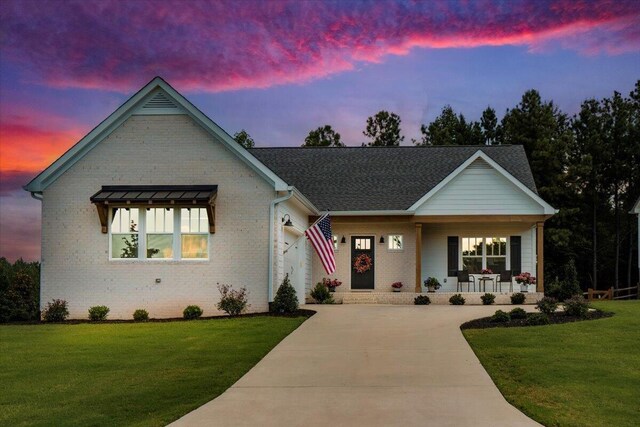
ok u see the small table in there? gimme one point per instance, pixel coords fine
(483, 282)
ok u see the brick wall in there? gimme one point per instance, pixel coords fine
(154, 150)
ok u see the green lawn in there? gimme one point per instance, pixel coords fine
(144, 374)
(574, 374)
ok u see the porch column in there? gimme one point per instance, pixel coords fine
(418, 258)
(540, 256)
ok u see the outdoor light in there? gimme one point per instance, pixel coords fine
(343, 239)
(381, 239)
(288, 222)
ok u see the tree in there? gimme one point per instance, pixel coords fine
(324, 136)
(244, 139)
(383, 129)
(489, 124)
(451, 129)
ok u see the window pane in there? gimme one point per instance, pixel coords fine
(159, 246)
(185, 218)
(159, 220)
(124, 246)
(474, 265)
(497, 264)
(204, 221)
(395, 241)
(195, 246)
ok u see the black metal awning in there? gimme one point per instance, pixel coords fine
(155, 195)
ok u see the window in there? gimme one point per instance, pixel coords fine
(364, 244)
(395, 242)
(124, 233)
(167, 233)
(335, 243)
(195, 233)
(159, 224)
(479, 253)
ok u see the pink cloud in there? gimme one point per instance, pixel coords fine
(218, 46)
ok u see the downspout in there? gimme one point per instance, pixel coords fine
(272, 209)
(37, 196)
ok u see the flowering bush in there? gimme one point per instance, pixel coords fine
(396, 285)
(329, 283)
(525, 279)
(362, 263)
(232, 301)
(486, 271)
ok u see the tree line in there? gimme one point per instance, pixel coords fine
(587, 166)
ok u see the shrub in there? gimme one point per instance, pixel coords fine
(141, 315)
(192, 312)
(457, 299)
(231, 301)
(568, 286)
(518, 298)
(500, 317)
(518, 313)
(576, 306)
(421, 300)
(19, 290)
(56, 311)
(286, 300)
(547, 305)
(98, 312)
(536, 319)
(488, 299)
(321, 294)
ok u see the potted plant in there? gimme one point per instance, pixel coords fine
(332, 284)
(486, 271)
(397, 286)
(525, 279)
(432, 284)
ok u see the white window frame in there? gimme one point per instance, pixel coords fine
(507, 257)
(199, 233)
(389, 240)
(142, 237)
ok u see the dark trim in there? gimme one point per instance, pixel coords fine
(452, 256)
(516, 254)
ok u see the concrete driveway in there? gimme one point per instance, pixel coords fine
(367, 365)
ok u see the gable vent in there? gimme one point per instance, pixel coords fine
(160, 103)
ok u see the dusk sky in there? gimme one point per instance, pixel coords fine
(279, 69)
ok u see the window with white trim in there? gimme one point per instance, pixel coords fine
(395, 242)
(195, 233)
(479, 253)
(335, 243)
(167, 233)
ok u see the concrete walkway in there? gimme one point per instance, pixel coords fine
(371, 365)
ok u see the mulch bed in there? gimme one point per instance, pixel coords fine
(299, 313)
(555, 318)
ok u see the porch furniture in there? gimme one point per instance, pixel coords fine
(504, 276)
(464, 277)
(482, 286)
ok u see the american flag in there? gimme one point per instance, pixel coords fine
(319, 234)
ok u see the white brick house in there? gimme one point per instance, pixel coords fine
(158, 204)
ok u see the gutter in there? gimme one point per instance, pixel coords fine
(36, 195)
(272, 208)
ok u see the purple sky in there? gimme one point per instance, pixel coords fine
(279, 69)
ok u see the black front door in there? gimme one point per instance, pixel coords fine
(362, 279)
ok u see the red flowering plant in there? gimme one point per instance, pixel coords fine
(396, 285)
(331, 283)
(525, 279)
(486, 271)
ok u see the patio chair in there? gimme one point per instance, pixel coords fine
(465, 277)
(504, 276)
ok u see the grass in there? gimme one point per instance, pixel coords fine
(141, 374)
(574, 374)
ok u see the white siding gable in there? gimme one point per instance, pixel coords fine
(479, 190)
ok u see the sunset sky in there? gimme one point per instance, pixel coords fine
(279, 69)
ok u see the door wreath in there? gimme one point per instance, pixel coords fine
(362, 263)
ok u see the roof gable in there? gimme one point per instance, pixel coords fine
(480, 186)
(157, 97)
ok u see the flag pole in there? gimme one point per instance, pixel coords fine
(303, 235)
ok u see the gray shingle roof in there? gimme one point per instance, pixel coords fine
(379, 178)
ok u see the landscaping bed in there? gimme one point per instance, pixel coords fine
(555, 318)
